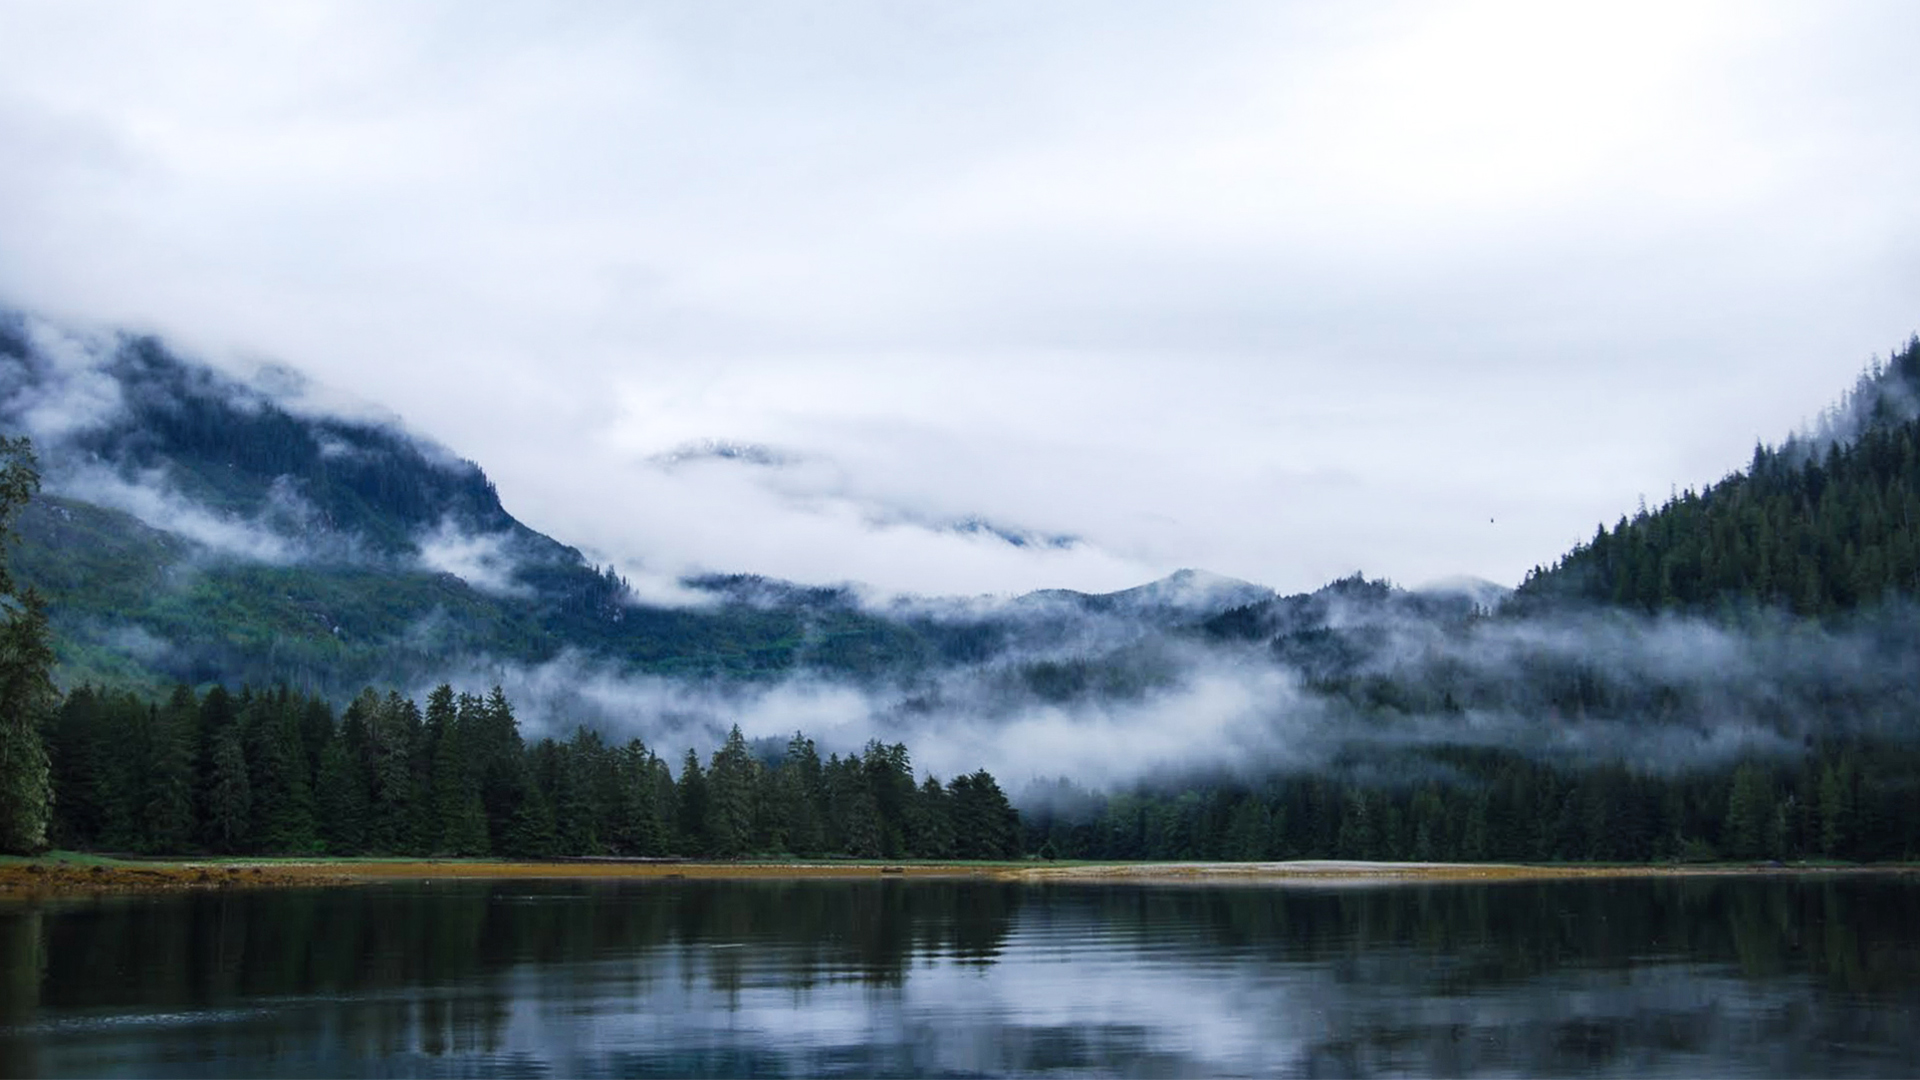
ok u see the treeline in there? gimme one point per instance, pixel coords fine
(1851, 800)
(1817, 525)
(274, 772)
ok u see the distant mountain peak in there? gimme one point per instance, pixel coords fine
(726, 451)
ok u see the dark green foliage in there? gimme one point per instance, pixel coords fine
(637, 827)
(985, 825)
(1852, 799)
(732, 781)
(278, 773)
(229, 794)
(853, 816)
(233, 775)
(27, 694)
(459, 818)
(79, 746)
(690, 807)
(342, 801)
(166, 780)
(532, 834)
(1818, 525)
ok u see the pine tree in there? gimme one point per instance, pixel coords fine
(690, 812)
(27, 695)
(459, 817)
(1837, 807)
(985, 825)
(230, 796)
(931, 834)
(167, 791)
(79, 747)
(637, 828)
(801, 798)
(730, 787)
(277, 770)
(1750, 812)
(532, 834)
(343, 800)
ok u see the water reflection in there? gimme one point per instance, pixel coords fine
(1767, 976)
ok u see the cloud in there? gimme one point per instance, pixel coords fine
(1110, 701)
(482, 560)
(1277, 291)
(152, 499)
(58, 388)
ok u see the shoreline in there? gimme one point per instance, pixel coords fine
(83, 875)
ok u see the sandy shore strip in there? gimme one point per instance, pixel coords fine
(89, 875)
(1341, 871)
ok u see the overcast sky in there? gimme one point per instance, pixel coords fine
(1282, 291)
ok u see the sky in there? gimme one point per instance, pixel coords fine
(1281, 291)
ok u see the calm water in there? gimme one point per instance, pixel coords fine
(1753, 976)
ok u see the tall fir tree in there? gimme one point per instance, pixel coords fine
(27, 694)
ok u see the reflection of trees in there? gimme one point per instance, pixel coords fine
(1551, 977)
(1528, 976)
(23, 960)
(868, 931)
(1852, 932)
(450, 945)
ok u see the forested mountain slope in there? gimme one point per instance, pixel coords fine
(1825, 522)
(201, 529)
(1729, 673)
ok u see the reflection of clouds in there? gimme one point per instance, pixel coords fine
(1064, 997)
(1175, 989)
(1589, 978)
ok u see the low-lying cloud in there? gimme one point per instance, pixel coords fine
(482, 560)
(152, 499)
(1657, 695)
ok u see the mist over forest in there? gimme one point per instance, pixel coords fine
(196, 529)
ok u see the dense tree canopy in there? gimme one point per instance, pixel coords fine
(1824, 523)
(274, 772)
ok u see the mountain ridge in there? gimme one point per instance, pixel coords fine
(365, 592)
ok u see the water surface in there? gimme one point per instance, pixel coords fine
(1702, 976)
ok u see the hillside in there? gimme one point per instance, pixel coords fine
(199, 530)
(202, 529)
(1823, 523)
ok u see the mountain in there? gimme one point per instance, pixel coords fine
(197, 528)
(201, 528)
(1825, 523)
(1729, 673)
(235, 537)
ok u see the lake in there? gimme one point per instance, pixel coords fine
(1735, 976)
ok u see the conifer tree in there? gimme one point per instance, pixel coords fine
(27, 695)
(342, 800)
(167, 803)
(690, 812)
(931, 830)
(730, 787)
(277, 772)
(459, 818)
(637, 828)
(230, 797)
(78, 750)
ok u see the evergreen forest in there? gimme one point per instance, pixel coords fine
(274, 773)
(1726, 676)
